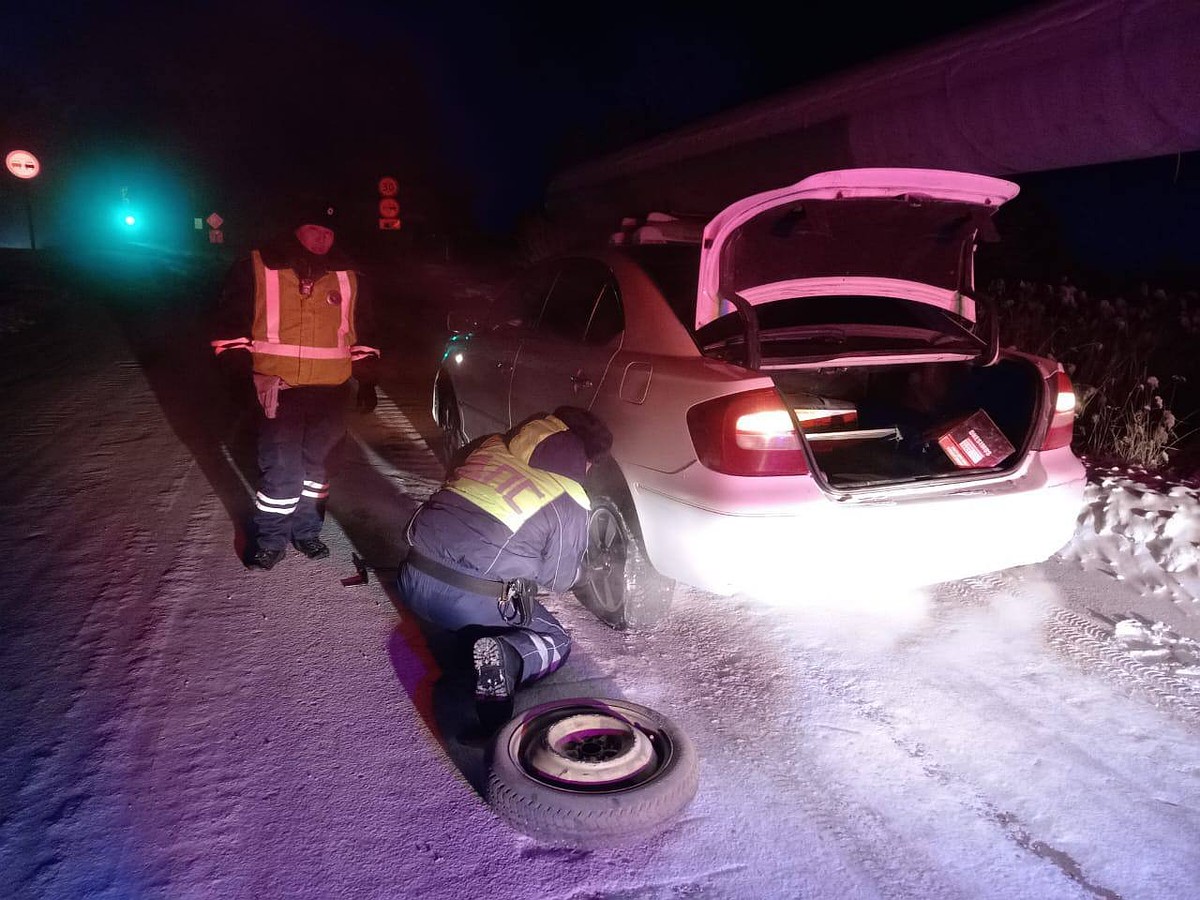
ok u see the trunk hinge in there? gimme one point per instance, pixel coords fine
(749, 317)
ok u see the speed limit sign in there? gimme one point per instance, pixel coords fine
(388, 186)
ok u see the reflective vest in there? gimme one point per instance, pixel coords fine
(303, 338)
(498, 479)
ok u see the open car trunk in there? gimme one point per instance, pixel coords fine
(869, 426)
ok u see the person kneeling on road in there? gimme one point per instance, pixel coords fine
(511, 518)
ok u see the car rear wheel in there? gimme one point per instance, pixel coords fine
(590, 772)
(619, 585)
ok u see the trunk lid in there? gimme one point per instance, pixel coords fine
(902, 234)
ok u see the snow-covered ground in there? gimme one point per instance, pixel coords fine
(176, 726)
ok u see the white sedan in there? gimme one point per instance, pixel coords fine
(800, 390)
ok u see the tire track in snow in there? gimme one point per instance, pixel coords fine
(398, 447)
(1091, 647)
(1067, 634)
(966, 793)
(849, 842)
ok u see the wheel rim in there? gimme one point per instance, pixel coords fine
(605, 560)
(589, 750)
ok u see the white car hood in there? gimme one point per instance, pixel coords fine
(907, 233)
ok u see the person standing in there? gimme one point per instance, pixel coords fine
(294, 317)
(511, 518)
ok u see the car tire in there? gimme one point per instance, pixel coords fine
(588, 772)
(618, 584)
(449, 423)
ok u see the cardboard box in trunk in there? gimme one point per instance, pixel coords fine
(973, 441)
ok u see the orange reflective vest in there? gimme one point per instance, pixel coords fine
(305, 338)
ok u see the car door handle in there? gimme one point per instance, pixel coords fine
(581, 381)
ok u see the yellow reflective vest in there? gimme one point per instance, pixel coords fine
(305, 335)
(498, 478)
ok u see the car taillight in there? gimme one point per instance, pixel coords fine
(747, 434)
(1062, 423)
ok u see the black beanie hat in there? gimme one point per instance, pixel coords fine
(315, 212)
(597, 439)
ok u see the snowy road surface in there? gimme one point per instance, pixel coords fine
(176, 726)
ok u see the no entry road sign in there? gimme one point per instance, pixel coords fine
(22, 163)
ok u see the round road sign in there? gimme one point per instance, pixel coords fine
(22, 163)
(389, 208)
(388, 186)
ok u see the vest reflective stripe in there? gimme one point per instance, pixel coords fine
(303, 340)
(508, 488)
(345, 289)
(271, 287)
(298, 350)
(232, 344)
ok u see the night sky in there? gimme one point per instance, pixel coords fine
(472, 106)
(477, 102)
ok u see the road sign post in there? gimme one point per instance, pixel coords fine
(25, 165)
(389, 206)
(215, 234)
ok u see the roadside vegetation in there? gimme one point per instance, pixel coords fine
(1132, 358)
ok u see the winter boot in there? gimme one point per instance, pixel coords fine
(313, 548)
(265, 559)
(495, 679)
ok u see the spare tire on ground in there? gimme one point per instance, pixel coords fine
(589, 772)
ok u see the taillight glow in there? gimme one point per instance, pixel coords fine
(747, 434)
(1062, 424)
(767, 430)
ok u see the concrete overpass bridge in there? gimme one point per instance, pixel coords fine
(1066, 84)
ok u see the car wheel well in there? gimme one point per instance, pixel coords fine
(606, 479)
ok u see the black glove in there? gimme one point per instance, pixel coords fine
(367, 397)
(236, 370)
(235, 364)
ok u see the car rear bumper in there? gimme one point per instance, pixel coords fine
(759, 544)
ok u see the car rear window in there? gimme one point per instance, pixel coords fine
(675, 271)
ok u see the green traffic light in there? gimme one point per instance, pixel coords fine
(130, 220)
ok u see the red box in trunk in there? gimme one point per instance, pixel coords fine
(973, 441)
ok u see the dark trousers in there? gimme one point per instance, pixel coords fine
(542, 646)
(294, 449)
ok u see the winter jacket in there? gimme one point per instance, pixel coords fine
(304, 318)
(515, 508)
